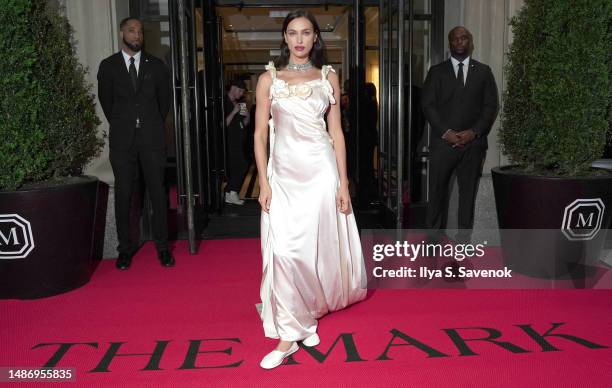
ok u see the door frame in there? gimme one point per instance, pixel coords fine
(211, 89)
(396, 158)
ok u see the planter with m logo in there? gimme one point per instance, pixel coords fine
(552, 227)
(51, 238)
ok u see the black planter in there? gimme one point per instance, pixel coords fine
(549, 226)
(52, 238)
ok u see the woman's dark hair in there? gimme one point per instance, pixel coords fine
(317, 55)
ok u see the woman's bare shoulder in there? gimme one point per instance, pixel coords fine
(265, 76)
(265, 79)
(333, 79)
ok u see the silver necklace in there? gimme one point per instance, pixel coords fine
(299, 66)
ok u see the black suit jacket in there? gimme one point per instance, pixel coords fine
(122, 104)
(448, 106)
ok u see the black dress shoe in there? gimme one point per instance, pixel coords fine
(123, 261)
(166, 259)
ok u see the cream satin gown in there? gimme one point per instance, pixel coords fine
(312, 259)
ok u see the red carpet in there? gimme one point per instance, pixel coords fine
(211, 297)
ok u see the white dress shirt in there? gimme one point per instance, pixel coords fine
(126, 59)
(466, 66)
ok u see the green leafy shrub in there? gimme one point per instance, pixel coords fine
(557, 104)
(48, 122)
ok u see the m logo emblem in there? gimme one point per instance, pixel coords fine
(16, 240)
(582, 219)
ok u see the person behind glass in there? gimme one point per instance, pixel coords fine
(349, 139)
(134, 92)
(368, 138)
(312, 259)
(236, 120)
(460, 102)
(248, 141)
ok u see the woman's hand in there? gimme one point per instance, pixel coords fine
(343, 199)
(265, 196)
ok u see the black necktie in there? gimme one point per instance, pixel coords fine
(460, 75)
(133, 74)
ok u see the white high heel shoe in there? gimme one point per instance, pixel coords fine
(276, 357)
(313, 340)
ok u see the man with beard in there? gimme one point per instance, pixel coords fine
(460, 102)
(134, 92)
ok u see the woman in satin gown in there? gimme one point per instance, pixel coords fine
(312, 259)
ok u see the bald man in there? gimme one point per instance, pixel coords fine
(460, 103)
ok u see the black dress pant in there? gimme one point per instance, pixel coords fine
(444, 161)
(125, 164)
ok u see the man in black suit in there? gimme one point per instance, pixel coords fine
(134, 91)
(460, 102)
